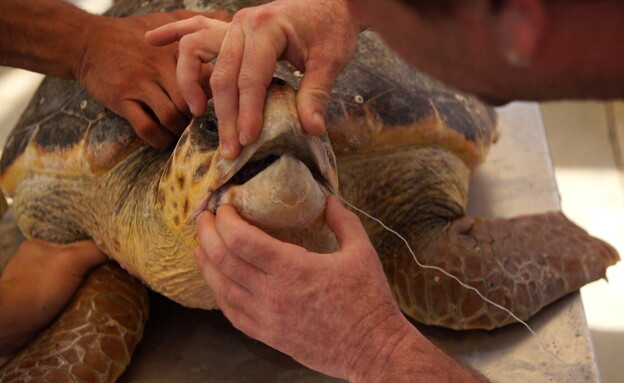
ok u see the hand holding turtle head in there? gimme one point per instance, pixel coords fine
(199, 39)
(107, 55)
(318, 38)
(135, 79)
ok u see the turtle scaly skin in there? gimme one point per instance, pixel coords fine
(402, 144)
(93, 339)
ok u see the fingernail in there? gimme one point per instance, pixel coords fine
(319, 121)
(243, 138)
(195, 110)
(192, 109)
(226, 150)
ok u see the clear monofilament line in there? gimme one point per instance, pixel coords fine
(466, 286)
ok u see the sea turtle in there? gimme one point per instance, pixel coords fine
(400, 146)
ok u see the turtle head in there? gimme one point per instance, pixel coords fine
(279, 183)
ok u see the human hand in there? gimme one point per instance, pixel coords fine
(200, 40)
(37, 283)
(133, 78)
(331, 312)
(317, 37)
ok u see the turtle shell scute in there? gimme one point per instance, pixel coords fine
(400, 107)
(109, 139)
(52, 96)
(60, 132)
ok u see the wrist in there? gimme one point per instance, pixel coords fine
(377, 351)
(356, 22)
(80, 60)
(400, 353)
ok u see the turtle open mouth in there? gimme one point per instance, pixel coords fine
(256, 167)
(251, 169)
(284, 173)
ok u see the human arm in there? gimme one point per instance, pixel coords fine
(332, 312)
(108, 55)
(36, 285)
(317, 37)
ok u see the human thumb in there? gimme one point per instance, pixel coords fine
(345, 224)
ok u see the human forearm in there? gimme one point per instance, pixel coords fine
(400, 353)
(37, 283)
(46, 36)
(15, 325)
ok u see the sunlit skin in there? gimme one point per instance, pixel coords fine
(109, 56)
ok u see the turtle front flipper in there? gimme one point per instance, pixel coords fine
(93, 339)
(522, 264)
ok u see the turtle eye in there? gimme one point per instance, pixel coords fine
(276, 81)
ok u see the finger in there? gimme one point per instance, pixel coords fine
(209, 239)
(252, 244)
(219, 15)
(88, 254)
(165, 110)
(224, 85)
(313, 96)
(225, 259)
(346, 225)
(173, 32)
(144, 125)
(170, 85)
(256, 72)
(194, 52)
(235, 301)
(245, 323)
(204, 81)
(227, 292)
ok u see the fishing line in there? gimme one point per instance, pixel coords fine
(446, 273)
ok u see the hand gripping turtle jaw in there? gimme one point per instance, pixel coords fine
(279, 183)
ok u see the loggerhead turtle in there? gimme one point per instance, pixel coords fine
(402, 144)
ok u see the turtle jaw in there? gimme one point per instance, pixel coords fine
(285, 195)
(283, 183)
(282, 179)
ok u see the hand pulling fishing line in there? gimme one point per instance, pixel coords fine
(466, 286)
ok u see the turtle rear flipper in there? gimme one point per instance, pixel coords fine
(93, 339)
(523, 264)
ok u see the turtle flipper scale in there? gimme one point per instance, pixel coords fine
(93, 339)
(523, 264)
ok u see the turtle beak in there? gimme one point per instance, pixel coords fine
(282, 175)
(284, 195)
